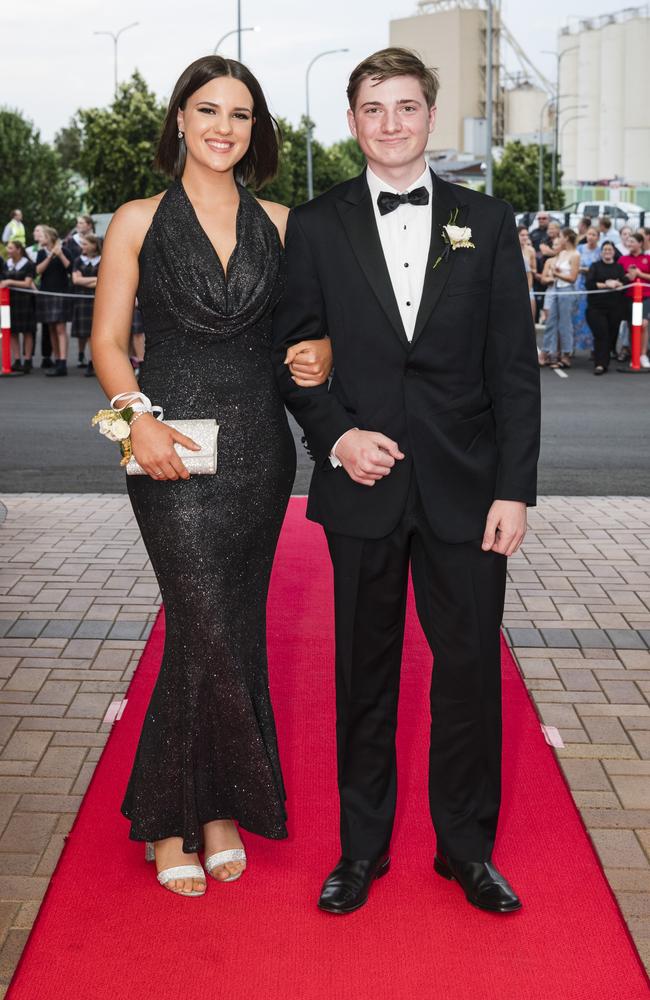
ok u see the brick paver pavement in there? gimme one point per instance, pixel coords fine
(77, 599)
(78, 596)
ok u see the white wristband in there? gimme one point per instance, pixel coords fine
(138, 402)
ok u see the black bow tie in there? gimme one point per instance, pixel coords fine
(388, 202)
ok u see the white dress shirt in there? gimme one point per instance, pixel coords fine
(405, 235)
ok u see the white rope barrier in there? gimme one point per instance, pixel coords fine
(553, 290)
(550, 290)
(58, 295)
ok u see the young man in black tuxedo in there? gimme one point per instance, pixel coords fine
(425, 449)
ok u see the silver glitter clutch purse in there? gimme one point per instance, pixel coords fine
(203, 462)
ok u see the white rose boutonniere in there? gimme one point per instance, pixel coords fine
(459, 236)
(455, 237)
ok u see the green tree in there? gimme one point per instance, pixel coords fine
(33, 177)
(347, 158)
(118, 146)
(515, 178)
(292, 151)
(331, 165)
(67, 143)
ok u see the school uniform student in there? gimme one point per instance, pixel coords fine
(16, 273)
(84, 279)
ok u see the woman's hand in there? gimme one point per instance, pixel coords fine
(310, 362)
(153, 447)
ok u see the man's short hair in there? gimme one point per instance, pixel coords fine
(605, 222)
(392, 62)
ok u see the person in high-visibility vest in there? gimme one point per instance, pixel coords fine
(15, 229)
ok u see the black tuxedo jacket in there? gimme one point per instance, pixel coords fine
(461, 400)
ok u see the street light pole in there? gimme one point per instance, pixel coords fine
(115, 36)
(559, 132)
(235, 31)
(559, 56)
(540, 165)
(488, 102)
(310, 168)
(574, 118)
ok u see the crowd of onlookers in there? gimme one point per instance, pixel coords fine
(580, 287)
(64, 272)
(563, 268)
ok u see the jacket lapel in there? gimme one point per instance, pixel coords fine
(358, 218)
(445, 202)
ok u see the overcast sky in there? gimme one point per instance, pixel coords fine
(52, 63)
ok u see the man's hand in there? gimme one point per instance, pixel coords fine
(505, 527)
(367, 456)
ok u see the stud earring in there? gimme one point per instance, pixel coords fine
(180, 134)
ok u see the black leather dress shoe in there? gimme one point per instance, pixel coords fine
(483, 885)
(347, 887)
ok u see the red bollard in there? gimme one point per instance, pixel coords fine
(636, 328)
(5, 324)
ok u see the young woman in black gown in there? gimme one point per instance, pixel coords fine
(205, 259)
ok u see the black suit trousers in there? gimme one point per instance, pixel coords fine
(459, 591)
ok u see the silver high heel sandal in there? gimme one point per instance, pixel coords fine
(180, 871)
(223, 858)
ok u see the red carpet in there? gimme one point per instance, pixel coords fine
(106, 931)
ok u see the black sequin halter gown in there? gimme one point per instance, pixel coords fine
(208, 746)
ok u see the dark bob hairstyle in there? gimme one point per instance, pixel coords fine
(259, 164)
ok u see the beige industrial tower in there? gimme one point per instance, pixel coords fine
(450, 36)
(606, 134)
(524, 108)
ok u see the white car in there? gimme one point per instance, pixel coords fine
(621, 213)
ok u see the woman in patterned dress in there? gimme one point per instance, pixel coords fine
(589, 251)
